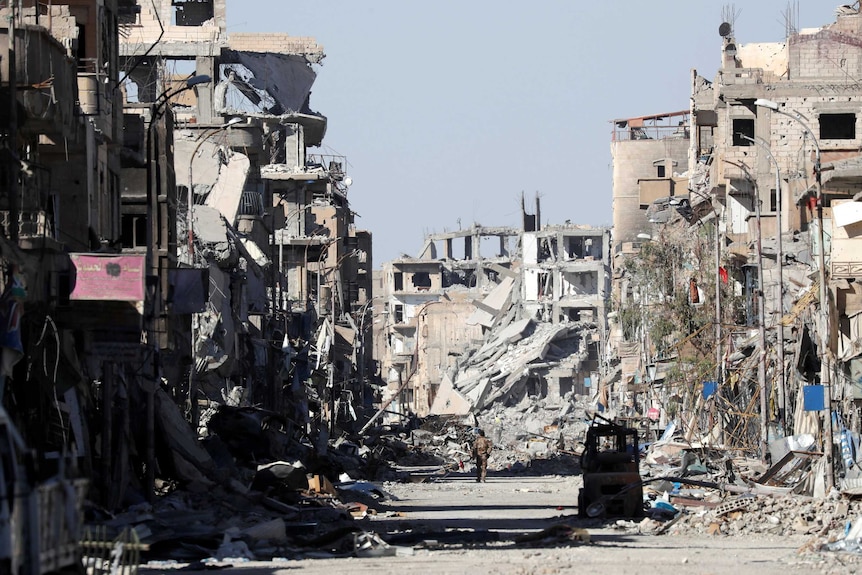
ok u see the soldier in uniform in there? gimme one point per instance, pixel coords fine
(481, 450)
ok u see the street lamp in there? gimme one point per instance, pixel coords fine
(153, 184)
(779, 256)
(821, 261)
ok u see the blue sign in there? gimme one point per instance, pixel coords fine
(710, 388)
(813, 398)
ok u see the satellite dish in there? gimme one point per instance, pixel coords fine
(725, 29)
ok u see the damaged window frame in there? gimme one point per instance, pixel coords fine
(743, 128)
(837, 125)
(179, 17)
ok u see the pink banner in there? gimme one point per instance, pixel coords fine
(108, 278)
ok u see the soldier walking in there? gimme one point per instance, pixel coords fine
(481, 450)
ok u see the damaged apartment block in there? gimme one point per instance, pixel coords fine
(487, 315)
(175, 260)
(265, 277)
(737, 252)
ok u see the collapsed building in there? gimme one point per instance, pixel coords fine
(172, 247)
(265, 276)
(756, 349)
(490, 316)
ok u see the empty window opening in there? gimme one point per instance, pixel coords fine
(399, 313)
(192, 12)
(579, 283)
(837, 126)
(773, 200)
(743, 128)
(134, 230)
(565, 386)
(579, 313)
(578, 247)
(659, 171)
(399, 281)
(421, 280)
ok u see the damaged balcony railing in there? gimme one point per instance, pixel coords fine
(118, 555)
(30, 224)
(335, 166)
(674, 125)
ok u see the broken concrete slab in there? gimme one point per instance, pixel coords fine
(190, 460)
(493, 303)
(448, 400)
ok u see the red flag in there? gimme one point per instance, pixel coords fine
(722, 273)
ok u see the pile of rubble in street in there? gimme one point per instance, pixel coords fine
(250, 490)
(693, 490)
(533, 431)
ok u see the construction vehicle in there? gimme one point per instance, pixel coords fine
(610, 467)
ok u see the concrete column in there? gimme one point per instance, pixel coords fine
(206, 65)
(220, 14)
(553, 384)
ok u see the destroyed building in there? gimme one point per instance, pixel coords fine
(487, 313)
(265, 275)
(171, 243)
(764, 252)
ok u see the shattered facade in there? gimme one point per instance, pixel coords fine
(767, 252)
(177, 261)
(487, 315)
(261, 228)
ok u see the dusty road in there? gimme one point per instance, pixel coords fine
(455, 525)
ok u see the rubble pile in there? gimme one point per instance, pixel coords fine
(770, 515)
(534, 429)
(536, 434)
(689, 489)
(254, 488)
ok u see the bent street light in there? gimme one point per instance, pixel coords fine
(190, 83)
(821, 262)
(770, 105)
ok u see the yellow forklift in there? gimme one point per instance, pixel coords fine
(610, 467)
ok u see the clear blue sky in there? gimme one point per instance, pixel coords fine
(449, 110)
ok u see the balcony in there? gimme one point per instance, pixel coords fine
(45, 81)
(95, 95)
(30, 224)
